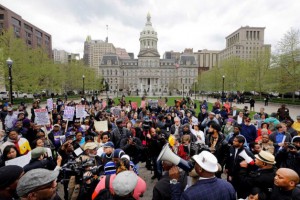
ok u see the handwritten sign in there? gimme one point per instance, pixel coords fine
(19, 161)
(50, 104)
(80, 111)
(41, 116)
(101, 125)
(69, 113)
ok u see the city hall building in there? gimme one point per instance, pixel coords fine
(148, 73)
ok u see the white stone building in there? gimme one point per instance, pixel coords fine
(148, 73)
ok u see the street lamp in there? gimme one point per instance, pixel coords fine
(9, 63)
(183, 91)
(223, 94)
(83, 77)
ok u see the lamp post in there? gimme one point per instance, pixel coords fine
(182, 90)
(9, 63)
(83, 92)
(223, 94)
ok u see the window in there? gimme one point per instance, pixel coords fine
(1, 16)
(15, 21)
(38, 33)
(27, 27)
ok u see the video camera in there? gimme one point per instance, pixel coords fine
(78, 168)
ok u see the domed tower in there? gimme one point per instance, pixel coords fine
(148, 39)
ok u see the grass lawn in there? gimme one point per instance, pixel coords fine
(170, 103)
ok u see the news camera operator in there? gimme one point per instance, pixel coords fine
(81, 172)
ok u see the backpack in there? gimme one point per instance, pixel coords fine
(105, 194)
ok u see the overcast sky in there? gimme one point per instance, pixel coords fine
(197, 24)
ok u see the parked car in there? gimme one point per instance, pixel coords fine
(4, 95)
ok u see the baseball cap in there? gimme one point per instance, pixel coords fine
(34, 179)
(109, 144)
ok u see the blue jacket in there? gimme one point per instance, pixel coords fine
(206, 189)
(249, 132)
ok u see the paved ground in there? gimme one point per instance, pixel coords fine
(272, 107)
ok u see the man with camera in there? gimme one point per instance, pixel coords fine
(133, 147)
(289, 155)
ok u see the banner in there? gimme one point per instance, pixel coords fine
(50, 104)
(69, 113)
(41, 116)
(80, 111)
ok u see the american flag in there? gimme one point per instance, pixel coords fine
(176, 65)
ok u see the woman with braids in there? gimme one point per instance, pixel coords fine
(122, 165)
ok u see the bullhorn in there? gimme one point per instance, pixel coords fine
(167, 154)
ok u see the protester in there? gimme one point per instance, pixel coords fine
(285, 182)
(262, 178)
(9, 152)
(9, 176)
(38, 184)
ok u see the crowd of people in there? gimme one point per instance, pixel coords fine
(231, 153)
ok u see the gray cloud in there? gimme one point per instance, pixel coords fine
(192, 24)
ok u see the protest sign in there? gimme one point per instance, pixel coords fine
(143, 104)
(41, 116)
(19, 161)
(80, 111)
(50, 104)
(161, 102)
(69, 113)
(134, 105)
(153, 103)
(116, 111)
(101, 125)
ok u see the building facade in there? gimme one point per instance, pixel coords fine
(60, 56)
(122, 53)
(206, 59)
(148, 74)
(94, 50)
(244, 43)
(33, 36)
